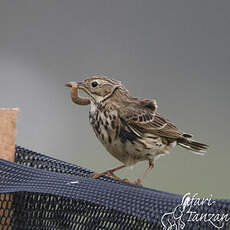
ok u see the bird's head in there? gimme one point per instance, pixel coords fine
(99, 88)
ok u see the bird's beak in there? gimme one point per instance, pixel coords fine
(80, 84)
(72, 83)
(69, 84)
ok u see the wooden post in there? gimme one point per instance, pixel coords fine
(8, 119)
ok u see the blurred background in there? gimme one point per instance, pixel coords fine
(177, 52)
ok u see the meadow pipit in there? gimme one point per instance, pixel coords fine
(130, 128)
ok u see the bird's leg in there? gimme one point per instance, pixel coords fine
(109, 172)
(139, 180)
(74, 94)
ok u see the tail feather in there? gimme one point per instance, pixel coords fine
(192, 145)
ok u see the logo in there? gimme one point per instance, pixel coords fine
(187, 212)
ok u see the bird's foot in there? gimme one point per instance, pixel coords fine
(108, 173)
(96, 175)
(137, 182)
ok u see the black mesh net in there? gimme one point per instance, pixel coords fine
(39, 192)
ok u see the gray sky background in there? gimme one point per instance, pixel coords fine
(175, 51)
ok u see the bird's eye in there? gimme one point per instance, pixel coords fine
(94, 83)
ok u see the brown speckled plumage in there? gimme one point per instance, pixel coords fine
(130, 128)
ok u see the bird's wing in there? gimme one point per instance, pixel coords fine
(142, 118)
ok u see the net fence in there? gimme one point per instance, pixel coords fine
(39, 192)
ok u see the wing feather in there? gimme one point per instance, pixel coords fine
(143, 118)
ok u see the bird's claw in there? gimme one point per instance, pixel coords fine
(107, 173)
(111, 174)
(96, 175)
(137, 182)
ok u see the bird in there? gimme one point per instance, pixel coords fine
(130, 128)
